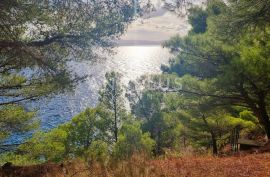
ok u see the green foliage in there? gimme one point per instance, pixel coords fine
(131, 141)
(72, 139)
(17, 159)
(91, 125)
(111, 98)
(247, 115)
(223, 83)
(14, 119)
(150, 107)
(49, 146)
(111, 93)
(172, 130)
(217, 73)
(98, 151)
(216, 7)
(241, 17)
(197, 19)
(89, 136)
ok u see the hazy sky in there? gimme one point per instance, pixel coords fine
(157, 26)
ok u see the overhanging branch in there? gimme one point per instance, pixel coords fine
(18, 100)
(204, 94)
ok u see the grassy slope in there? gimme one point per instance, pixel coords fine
(256, 165)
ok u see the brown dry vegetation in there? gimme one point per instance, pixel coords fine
(255, 165)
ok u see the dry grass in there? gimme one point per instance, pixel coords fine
(255, 165)
(246, 166)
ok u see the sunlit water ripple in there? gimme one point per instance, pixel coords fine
(130, 61)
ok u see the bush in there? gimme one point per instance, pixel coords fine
(97, 152)
(16, 159)
(132, 140)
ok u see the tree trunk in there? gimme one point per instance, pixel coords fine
(115, 125)
(115, 111)
(213, 136)
(267, 128)
(184, 141)
(259, 108)
(214, 143)
(264, 120)
(260, 111)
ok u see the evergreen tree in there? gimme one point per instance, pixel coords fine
(149, 107)
(111, 97)
(233, 74)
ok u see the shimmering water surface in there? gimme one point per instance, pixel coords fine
(130, 61)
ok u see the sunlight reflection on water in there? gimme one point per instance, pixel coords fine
(130, 61)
